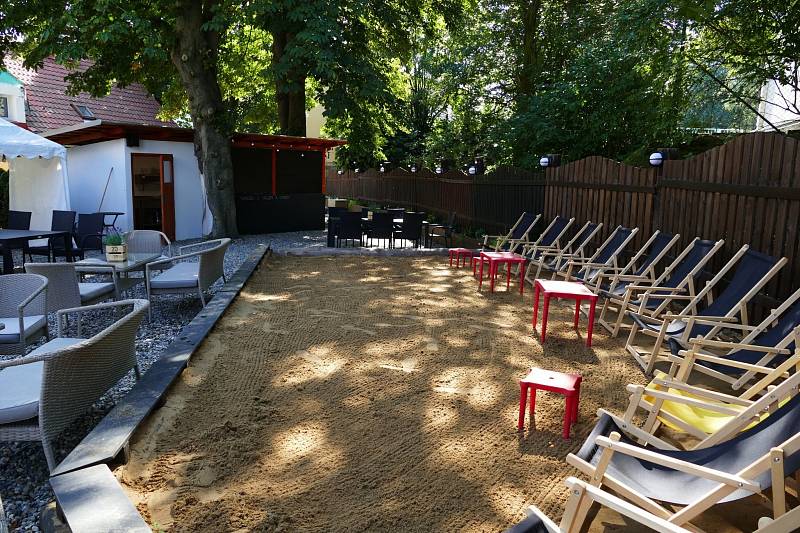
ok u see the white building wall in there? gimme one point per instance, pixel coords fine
(190, 201)
(778, 106)
(16, 101)
(88, 168)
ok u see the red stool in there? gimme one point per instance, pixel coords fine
(568, 385)
(458, 253)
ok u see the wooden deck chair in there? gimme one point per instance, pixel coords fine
(554, 260)
(708, 416)
(538, 522)
(647, 297)
(752, 273)
(549, 240)
(765, 345)
(516, 235)
(755, 461)
(605, 256)
(641, 267)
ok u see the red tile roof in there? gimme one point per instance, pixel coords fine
(50, 106)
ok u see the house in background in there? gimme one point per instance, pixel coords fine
(780, 105)
(121, 157)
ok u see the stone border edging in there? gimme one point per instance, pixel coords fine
(83, 473)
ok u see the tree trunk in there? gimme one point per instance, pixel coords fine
(195, 58)
(530, 69)
(290, 90)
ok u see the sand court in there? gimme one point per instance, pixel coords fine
(360, 393)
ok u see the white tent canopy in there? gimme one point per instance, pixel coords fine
(37, 173)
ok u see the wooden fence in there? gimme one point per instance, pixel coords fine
(746, 192)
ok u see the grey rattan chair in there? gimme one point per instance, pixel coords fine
(141, 241)
(23, 311)
(64, 290)
(192, 272)
(43, 392)
(3, 521)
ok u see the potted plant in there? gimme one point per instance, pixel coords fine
(116, 249)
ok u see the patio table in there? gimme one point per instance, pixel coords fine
(113, 223)
(135, 261)
(573, 290)
(497, 258)
(9, 237)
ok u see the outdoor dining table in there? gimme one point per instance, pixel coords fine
(121, 269)
(110, 225)
(10, 237)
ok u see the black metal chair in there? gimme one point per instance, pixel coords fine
(19, 220)
(61, 221)
(349, 228)
(382, 227)
(396, 212)
(442, 231)
(88, 236)
(410, 228)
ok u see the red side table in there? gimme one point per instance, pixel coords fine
(573, 290)
(458, 253)
(568, 385)
(495, 259)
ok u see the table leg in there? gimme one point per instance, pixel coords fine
(8, 259)
(532, 407)
(535, 306)
(492, 274)
(592, 306)
(68, 247)
(576, 402)
(480, 275)
(523, 400)
(508, 276)
(568, 410)
(522, 266)
(545, 312)
(450, 253)
(577, 313)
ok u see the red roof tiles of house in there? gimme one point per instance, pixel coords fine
(50, 107)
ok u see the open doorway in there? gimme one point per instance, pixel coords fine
(153, 193)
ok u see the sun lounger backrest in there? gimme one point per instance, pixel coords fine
(613, 245)
(554, 232)
(582, 239)
(661, 242)
(774, 337)
(696, 255)
(524, 225)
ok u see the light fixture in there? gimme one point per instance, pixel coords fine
(472, 170)
(382, 168)
(439, 169)
(544, 162)
(413, 168)
(340, 172)
(357, 170)
(656, 159)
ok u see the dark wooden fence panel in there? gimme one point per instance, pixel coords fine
(603, 190)
(745, 192)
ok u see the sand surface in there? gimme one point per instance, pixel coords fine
(381, 394)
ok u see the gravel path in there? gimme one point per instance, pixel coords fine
(24, 488)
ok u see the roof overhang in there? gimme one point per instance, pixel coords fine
(95, 131)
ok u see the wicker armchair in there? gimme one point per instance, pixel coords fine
(64, 290)
(3, 521)
(43, 392)
(23, 311)
(143, 241)
(192, 272)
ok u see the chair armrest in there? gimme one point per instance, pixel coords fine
(670, 383)
(62, 313)
(197, 245)
(640, 288)
(679, 465)
(703, 319)
(27, 301)
(700, 341)
(98, 236)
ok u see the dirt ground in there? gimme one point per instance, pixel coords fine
(381, 394)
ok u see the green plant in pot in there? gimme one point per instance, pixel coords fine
(116, 249)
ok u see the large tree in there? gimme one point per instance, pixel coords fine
(144, 41)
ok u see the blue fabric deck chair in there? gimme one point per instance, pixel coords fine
(538, 522)
(604, 257)
(554, 260)
(516, 235)
(753, 272)
(549, 240)
(641, 267)
(765, 345)
(676, 282)
(753, 462)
